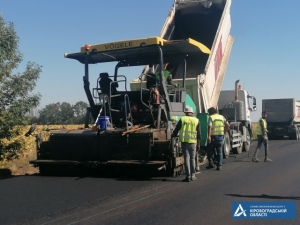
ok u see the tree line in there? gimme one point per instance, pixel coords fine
(62, 113)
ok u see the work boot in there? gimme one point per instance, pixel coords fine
(219, 168)
(186, 179)
(209, 167)
(268, 160)
(255, 159)
(193, 178)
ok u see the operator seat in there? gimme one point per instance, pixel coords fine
(105, 83)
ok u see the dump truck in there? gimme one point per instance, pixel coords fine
(204, 83)
(236, 106)
(135, 126)
(283, 118)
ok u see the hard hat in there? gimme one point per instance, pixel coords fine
(188, 109)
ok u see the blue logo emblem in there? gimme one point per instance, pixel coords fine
(263, 210)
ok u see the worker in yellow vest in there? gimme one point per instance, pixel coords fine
(167, 75)
(217, 128)
(153, 79)
(262, 137)
(190, 136)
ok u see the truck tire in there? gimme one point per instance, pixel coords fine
(294, 135)
(297, 133)
(237, 150)
(246, 145)
(226, 146)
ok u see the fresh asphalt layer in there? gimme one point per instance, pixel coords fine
(159, 200)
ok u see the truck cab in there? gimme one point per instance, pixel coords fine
(236, 106)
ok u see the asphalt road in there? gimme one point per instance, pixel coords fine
(94, 200)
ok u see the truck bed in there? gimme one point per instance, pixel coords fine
(211, 27)
(282, 111)
(193, 20)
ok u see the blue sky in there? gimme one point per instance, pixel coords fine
(265, 54)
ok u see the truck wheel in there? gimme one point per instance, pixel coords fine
(226, 146)
(246, 145)
(296, 133)
(237, 140)
(237, 150)
(296, 136)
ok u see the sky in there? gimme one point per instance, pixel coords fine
(264, 57)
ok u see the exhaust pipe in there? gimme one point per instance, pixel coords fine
(236, 90)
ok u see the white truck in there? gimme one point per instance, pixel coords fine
(236, 106)
(283, 118)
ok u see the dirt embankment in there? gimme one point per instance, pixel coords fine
(21, 166)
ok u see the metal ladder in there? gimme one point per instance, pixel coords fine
(126, 100)
(128, 120)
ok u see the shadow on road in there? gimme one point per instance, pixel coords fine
(264, 196)
(124, 175)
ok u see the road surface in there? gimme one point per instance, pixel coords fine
(161, 200)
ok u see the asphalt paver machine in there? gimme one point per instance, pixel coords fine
(133, 127)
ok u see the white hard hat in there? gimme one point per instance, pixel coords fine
(188, 109)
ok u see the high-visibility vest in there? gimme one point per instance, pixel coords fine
(259, 128)
(218, 123)
(166, 75)
(188, 131)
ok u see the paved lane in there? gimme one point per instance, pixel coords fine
(67, 200)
